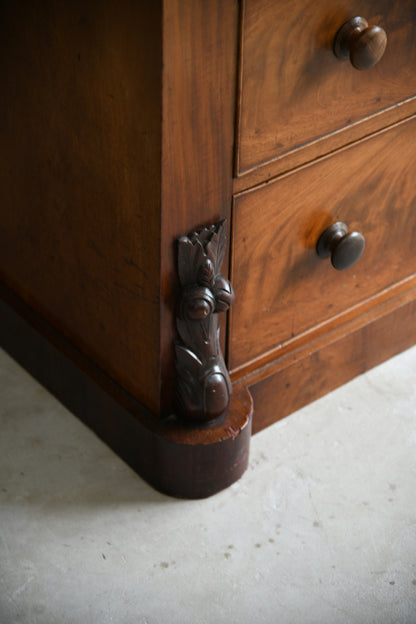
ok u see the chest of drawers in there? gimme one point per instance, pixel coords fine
(155, 153)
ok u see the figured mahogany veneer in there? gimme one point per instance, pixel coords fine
(286, 288)
(295, 91)
(152, 152)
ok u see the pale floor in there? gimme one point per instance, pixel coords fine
(320, 530)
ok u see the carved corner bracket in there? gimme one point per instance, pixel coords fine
(203, 387)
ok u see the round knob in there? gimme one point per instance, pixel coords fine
(363, 44)
(344, 247)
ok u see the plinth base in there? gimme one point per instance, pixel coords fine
(179, 460)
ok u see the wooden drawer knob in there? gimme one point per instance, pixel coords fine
(363, 44)
(344, 247)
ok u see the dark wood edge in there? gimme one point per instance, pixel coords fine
(178, 460)
(239, 91)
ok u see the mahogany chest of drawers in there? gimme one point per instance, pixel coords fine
(169, 168)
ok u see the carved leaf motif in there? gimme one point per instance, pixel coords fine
(190, 256)
(187, 359)
(215, 248)
(206, 273)
(200, 335)
(205, 234)
(203, 384)
(186, 331)
(187, 389)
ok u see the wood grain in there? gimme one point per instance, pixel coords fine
(293, 88)
(118, 130)
(320, 147)
(106, 163)
(333, 359)
(199, 97)
(80, 174)
(286, 288)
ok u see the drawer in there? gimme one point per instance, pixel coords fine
(283, 289)
(294, 91)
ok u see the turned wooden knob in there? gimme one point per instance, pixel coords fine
(364, 45)
(344, 247)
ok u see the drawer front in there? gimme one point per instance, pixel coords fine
(282, 287)
(295, 91)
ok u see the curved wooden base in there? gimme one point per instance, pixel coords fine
(189, 462)
(178, 459)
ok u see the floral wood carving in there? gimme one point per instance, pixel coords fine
(203, 387)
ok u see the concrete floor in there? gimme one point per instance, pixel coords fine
(321, 529)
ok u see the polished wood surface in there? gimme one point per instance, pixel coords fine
(199, 99)
(80, 174)
(101, 174)
(286, 289)
(128, 125)
(336, 357)
(294, 90)
(117, 122)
